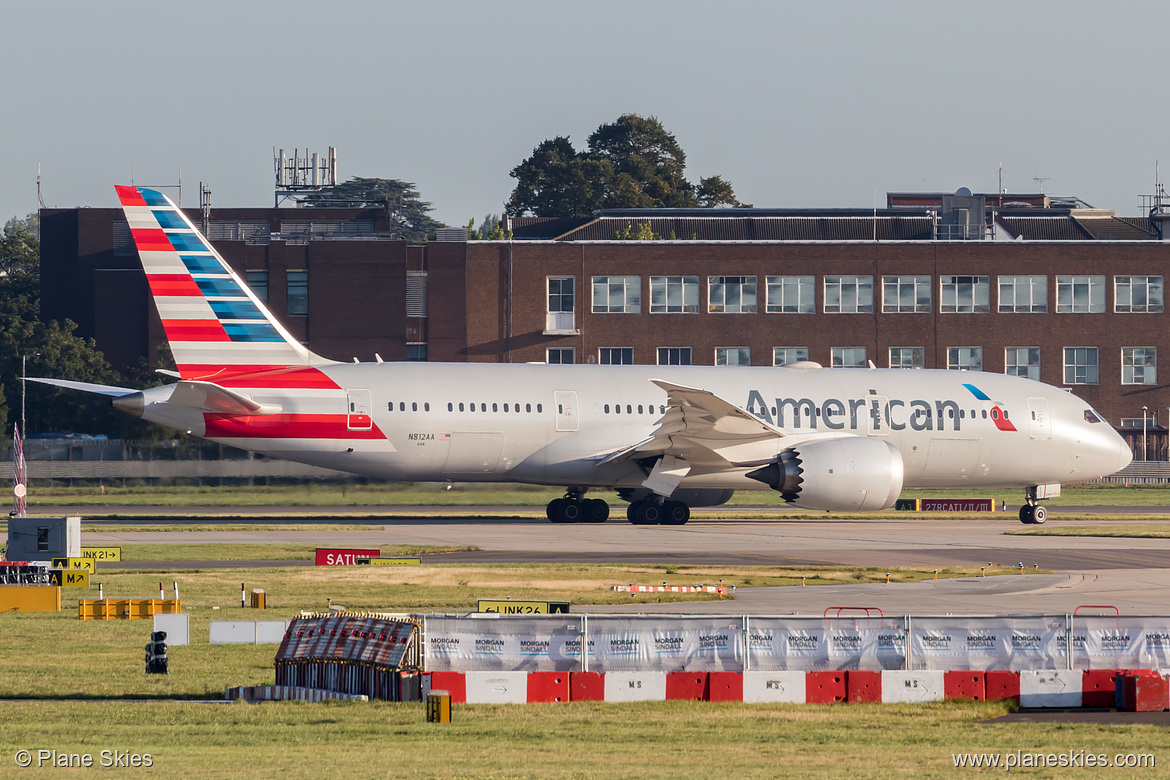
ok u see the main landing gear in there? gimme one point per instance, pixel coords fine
(649, 511)
(573, 508)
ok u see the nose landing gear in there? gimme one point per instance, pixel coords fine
(1032, 513)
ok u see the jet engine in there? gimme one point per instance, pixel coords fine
(846, 474)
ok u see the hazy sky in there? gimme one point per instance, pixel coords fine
(797, 104)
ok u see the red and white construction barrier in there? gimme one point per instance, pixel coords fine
(1130, 689)
(287, 693)
(723, 590)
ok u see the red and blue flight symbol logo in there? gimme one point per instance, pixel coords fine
(997, 414)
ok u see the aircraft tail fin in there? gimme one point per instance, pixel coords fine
(216, 326)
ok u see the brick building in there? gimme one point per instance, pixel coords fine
(1068, 295)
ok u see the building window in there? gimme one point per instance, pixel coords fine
(258, 284)
(848, 357)
(416, 352)
(907, 357)
(298, 293)
(733, 356)
(848, 295)
(561, 316)
(616, 356)
(1137, 294)
(965, 358)
(782, 356)
(1022, 361)
(1080, 295)
(964, 294)
(906, 294)
(1139, 366)
(674, 295)
(791, 295)
(1080, 365)
(731, 294)
(674, 356)
(1023, 295)
(561, 355)
(617, 294)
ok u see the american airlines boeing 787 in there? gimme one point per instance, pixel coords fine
(665, 438)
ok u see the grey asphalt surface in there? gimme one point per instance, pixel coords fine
(1132, 574)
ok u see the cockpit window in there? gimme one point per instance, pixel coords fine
(1092, 417)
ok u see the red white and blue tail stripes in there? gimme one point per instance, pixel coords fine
(216, 326)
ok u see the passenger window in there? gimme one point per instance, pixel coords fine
(607, 408)
(617, 408)
(449, 407)
(483, 407)
(495, 408)
(427, 406)
(505, 407)
(414, 406)
(389, 406)
(351, 407)
(528, 408)
(984, 414)
(461, 406)
(539, 408)
(629, 409)
(402, 406)
(560, 409)
(639, 408)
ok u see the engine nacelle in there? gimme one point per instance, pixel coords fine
(848, 474)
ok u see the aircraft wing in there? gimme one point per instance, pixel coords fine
(701, 429)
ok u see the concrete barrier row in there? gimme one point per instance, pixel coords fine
(287, 693)
(1033, 689)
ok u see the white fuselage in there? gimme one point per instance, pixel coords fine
(552, 424)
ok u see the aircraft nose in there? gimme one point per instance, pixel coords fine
(1124, 454)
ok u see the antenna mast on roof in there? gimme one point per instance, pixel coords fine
(1040, 180)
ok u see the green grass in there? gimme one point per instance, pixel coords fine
(1152, 531)
(675, 740)
(69, 666)
(390, 495)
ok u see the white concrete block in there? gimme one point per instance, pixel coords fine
(1051, 688)
(178, 628)
(912, 686)
(270, 632)
(497, 687)
(764, 687)
(233, 632)
(635, 686)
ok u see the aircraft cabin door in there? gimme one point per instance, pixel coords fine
(568, 413)
(1039, 423)
(358, 414)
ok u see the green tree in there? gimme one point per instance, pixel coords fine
(633, 162)
(409, 215)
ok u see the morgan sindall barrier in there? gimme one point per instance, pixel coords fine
(690, 643)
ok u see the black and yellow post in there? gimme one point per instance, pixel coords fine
(438, 707)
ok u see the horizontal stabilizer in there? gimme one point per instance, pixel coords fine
(85, 387)
(210, 397)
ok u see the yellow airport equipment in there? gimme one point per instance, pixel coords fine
(438, 707)
(258, 599)
(30, 598)
(126, 609)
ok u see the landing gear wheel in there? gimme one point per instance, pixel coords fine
(1039, 515)
(1026, 515)
(644, 513)
(553, 510)
(596, 511)
(570, 511)
(675, 513)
